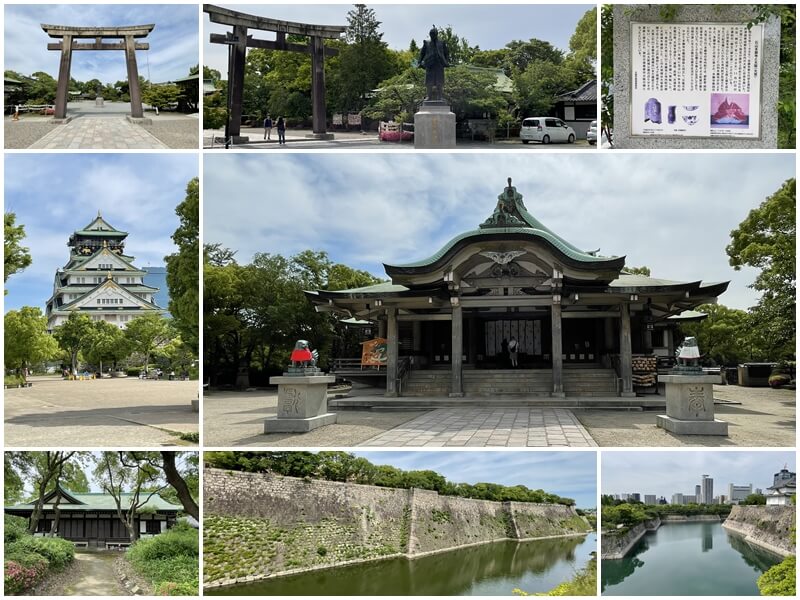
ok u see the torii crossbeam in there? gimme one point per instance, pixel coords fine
(69, 36)
(239, 41)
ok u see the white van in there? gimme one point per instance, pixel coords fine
(545, 130)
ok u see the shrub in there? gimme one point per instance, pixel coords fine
(178, 541)
(779, 580)
(213, 118)
(133, 372)
(322, 550)
(169, 560)
(59, 553)
(19, 578)
(14, 528)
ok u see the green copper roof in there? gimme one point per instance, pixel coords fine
(384, 287)
(533, 231)
(100, 233)
(100, 501)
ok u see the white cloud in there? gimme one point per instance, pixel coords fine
(673, 213)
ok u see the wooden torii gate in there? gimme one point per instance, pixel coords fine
(68, 44)
(239, 41)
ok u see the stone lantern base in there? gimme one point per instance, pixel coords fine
(302, 404)
(690, 406)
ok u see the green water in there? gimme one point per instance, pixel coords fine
(687, 559)
(485, 570)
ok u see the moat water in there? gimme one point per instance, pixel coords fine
(688, 559)
(485, 570)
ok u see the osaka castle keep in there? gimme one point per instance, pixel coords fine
(100, 280)
(582, 324)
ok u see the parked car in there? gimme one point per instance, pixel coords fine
(546, 130)
(591, 134)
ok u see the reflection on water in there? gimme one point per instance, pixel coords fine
(671, 562)
(488, 569)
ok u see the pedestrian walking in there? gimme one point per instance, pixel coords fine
(513, 349)
(267, 127)
(281, 127)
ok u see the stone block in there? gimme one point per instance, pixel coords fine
(139, 120)
(683, 427)
(434, 127)
(285, 425)
(302, 397)
(319, 136)
(690, 398)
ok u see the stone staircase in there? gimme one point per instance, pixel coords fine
(585, 382)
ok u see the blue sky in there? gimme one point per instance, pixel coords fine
(568, 474)
(55, 194)
(489, 26)
(671, 212)
(174, 43)
(666, 473)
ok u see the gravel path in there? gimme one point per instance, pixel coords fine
(23, 133)
(237, 419)
(176, 133)
(765, 417)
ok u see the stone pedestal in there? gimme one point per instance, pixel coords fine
(98, 102)
(690, 406)
(434, 126)
(302, 404)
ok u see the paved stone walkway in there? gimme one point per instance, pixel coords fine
(488, 427)
(113, 133)
(98, 577)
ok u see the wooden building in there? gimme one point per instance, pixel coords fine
(91, 519)
(578, 317)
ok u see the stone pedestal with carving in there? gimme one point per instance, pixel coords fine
(302, 404)
(690, 406)
(434, 126)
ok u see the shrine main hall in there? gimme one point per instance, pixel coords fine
(583, 325)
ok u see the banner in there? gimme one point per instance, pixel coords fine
(373, 353)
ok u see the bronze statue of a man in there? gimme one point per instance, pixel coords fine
(434, 57)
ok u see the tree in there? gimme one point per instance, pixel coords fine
(536, 88)
(583, 43)
(147, 333)
(16, 257)
(27, 342)
(104, 342)
(47, 468)
(73, 336)
(186, 484)
(363, 63)
(125, 477)
(182, 268)
(755, 500)
(767, 240)
(161, 96)
(638, 270)
(723, 335)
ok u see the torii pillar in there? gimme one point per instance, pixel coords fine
(239, 41)
(68, 37)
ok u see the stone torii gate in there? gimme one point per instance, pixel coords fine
(68, 44)
(239, 41)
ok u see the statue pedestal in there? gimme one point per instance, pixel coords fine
(690, 406)
(434, 126)
(98, 102)
(302, 404)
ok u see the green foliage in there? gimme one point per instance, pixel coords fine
(343, 466)
(780, 580)
(104, 343)
(161, 96)
(322, 550)
(723, 336)
(536, 88)
(583, 584)
(621, 512)
(638, 270)
(170, 561)
(190, 436)
(58, 552)
(146, 334)
(14, 528)
(183, 270)
(767, 240)
(16, 256)
(754, 499)
(253, 314)
(73, 336)
(27, 342)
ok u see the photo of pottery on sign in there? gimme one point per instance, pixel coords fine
(696, 79)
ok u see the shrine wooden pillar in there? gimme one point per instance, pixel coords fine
(62, 90)
(456, 351)
(236, 62)
(625, 349)
(557, 348)
(133, 78)
(392, 351)
(318, 107)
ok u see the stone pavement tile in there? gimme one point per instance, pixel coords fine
(476, 427)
